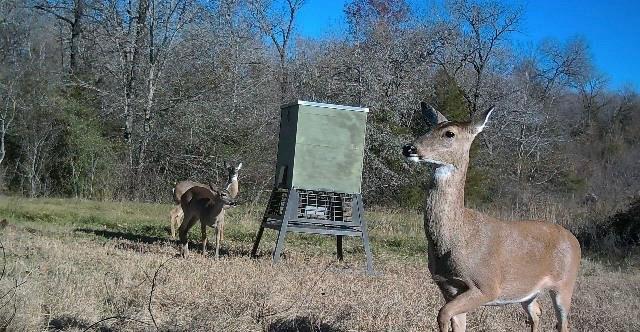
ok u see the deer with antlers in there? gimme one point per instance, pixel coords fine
(477, 260)
(177, 215)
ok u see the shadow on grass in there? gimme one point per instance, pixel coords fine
(138, 242)
(122, 235)
(300, 324)
(66, 323)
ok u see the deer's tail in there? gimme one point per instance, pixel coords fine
(173, 195)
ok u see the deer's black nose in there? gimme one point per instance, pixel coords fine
(409, 150)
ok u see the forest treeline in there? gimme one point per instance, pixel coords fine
(119, 99)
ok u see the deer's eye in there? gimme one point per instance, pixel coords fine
(449, 134)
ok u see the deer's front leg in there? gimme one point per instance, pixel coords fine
(449, 292)
(459, 323)
(203, 237)
(172, 221)
(533, 311)
(176, 220)
(217, 239)
(461, 304)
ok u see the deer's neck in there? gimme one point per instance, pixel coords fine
(232, 187)
(444, 221)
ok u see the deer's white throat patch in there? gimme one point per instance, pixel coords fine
(444, 171)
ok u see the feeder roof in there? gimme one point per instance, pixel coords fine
(322, 105)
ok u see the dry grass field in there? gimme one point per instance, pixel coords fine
(106, 266)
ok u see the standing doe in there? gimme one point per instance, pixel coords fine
(176, 215)
(479, 260)
(206, 205)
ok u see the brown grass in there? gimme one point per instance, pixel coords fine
(73, 279)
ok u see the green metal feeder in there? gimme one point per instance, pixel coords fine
(318, 179)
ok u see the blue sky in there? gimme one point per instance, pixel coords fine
(611, 27)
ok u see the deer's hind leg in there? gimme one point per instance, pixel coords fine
(561, 299)
(187, 223)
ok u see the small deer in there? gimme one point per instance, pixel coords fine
(477, 260)
(176, 215)
(231, 187)
(207, 205)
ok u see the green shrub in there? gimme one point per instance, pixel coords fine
(570, 182)
(412, 197)
(84, 155)
(478, 188)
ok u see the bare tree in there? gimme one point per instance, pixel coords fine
(163, 91)
(7, 113)
(591, 87)
(139, 40)
(278, 25)
(13, 37)
(557, 64)
(475, 34)
(166, 21)
(72, 13)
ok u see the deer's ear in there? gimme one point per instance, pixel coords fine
(430, 115)
(239, 167)
(483, 119)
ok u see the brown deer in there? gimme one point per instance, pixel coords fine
(176, 215)
(477, 260)
(208, 206)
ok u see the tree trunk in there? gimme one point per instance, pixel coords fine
(146, 135)
(3, 133)
(132, 58)
(283, 76)
(76, 30)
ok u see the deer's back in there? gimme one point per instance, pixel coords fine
(203, 203)
(183, 186)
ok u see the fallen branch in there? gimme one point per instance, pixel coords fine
(153, 288)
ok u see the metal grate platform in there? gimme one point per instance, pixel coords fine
(315, 212)
(314, 205)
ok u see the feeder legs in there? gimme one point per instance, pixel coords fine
(339, 247)
(277, 252)
(290, 213)
(256, 243)
(359, 217)
(367, 248)
(254, 251)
